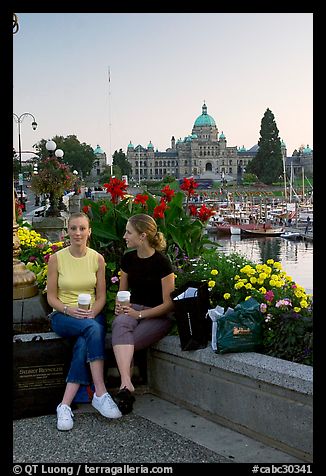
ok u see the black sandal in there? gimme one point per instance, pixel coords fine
(124, 399)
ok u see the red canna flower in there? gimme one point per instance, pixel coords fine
(160, 209)
(103, 209)
(139, 198)
(168, 193)
(205, 213)
(193, 210)
(86, 209)
(189, 186)
(117, 188)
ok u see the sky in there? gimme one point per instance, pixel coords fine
(112, 78)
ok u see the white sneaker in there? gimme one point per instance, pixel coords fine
(64, 417)
(106, 406)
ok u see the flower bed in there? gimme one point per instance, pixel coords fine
(286, 306)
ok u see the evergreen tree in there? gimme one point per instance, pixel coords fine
(268, 162)
(120, 160)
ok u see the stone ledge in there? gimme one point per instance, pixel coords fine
(268, 399)
(290, 375)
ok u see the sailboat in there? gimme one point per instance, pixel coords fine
(264, 231)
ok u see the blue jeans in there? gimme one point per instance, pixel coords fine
(89, 346)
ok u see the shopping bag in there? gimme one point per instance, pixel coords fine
(84, 394)
(191, 302)
(215, 315)
(241, 330)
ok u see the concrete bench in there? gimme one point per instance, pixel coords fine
(110, 368)
(264, 397)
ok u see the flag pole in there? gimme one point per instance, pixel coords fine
(110, 155)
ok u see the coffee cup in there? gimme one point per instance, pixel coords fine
(123, 297)
(84, 301)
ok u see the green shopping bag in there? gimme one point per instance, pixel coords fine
(242, 329)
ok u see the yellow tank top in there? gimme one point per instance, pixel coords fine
(76, 275)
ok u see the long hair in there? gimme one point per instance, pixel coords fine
(146, 224)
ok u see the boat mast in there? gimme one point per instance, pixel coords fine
(110, 155)
(291, 180)
(284, 177)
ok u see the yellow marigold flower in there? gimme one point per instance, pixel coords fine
(270, 261)
(226, 295)
(211, 284)
(239, 285)
(253, 280)
(262, 276)
(296, 309)
(277, 265)
(248, 286)
(236, 277)
(280, 283)
(214, 272)
(298, 293)
(247, 297)
(303, 304)
(262, 290)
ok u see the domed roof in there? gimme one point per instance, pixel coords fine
(130, 145)
(98, 150)
(204, 119)
(242, 149)
(150, 145)
(307, 150)
(222, 136)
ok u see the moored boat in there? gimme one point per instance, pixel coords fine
(272, 231)
(231, 228)
(291, 235)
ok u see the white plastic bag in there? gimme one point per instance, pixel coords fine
(215, 314)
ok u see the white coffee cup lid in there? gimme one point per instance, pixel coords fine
(123, 295)
(84, 298)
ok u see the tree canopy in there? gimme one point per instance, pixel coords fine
(78, 156)
(268, 162)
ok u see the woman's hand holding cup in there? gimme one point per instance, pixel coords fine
(122, 302)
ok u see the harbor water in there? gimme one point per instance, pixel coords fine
(296, 257)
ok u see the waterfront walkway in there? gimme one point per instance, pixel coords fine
(156, 431)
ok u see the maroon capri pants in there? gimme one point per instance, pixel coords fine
(140, 333)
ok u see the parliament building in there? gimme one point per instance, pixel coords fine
(204, 154)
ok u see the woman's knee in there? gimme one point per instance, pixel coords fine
(95, 330)
(123, 322)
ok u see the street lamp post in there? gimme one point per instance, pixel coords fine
(19, 120)
(51, 147)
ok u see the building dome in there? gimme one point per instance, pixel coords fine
(204, 120)
(222, 136)
(98, 150)
(150, 145)
(307, 150)
(130, 145)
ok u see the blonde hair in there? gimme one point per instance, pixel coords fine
(146, 224)
(78, 215)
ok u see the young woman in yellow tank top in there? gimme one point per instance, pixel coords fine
(76, 270)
